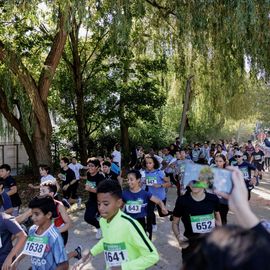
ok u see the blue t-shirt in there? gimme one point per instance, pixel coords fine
(8, 227)
(6, 202)
(155, 177)
(54, 254)
(136, 203)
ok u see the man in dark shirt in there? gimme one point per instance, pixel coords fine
(10, 188)
(94, 177)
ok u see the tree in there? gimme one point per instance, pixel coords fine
(35, 86)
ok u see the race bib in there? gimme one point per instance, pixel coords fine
(63, 177)
(35, 246)
(151, 180)
(257, 157)
(115, 254)
(134, 207)
(91, 184)
(182, 168)
(245, 172)
(203, 223)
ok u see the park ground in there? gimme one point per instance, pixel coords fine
(169, 251)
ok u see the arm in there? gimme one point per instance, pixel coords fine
(148, 254)
(12, 191)
(238, 201)
(88, 188)
(21, 238)
(120, 180)
(66, 218)
(160, 203)
(218, 219)
(21, 218)
(34, 187)
(62, 266)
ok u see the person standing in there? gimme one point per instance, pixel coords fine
(116, 155)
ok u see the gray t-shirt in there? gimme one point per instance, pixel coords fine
(8, 227)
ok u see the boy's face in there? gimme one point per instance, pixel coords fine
(42, 172)
(92, 169)
(108, 205)
(63, 164)
(105, 169)
(39, 218)
(44, 190)
(4, 173)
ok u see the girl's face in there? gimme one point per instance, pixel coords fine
(220, 162)
(132, 181)
(149, 164)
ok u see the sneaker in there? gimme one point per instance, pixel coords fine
(66, 203)
(154, 228)
(78, 249)
(79, 202)
(98, 234)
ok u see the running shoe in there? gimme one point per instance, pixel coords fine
(78, 249)
(66, 203)
(98, 234)
(154, 228)
(79, 202)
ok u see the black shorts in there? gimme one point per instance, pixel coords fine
(65, 237)
(71, 192)
(258, 166)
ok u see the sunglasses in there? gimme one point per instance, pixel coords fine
(238, 156)
(198, 184)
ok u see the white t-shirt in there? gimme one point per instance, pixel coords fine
(76, 169)
(47, 178)
(117, 157)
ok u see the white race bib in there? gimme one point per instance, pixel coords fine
(203, 223)
(35, 246)
(151, 180)
(257, 157)
(245, 172)
(91, 184)
(115, 254)
(133, 207)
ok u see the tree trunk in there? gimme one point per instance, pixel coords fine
(124, 142)
(185, 109)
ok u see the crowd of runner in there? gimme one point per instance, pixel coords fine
(122, 207)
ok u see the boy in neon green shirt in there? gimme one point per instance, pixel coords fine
(124, 243)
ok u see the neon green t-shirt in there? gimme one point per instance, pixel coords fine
(125, 243)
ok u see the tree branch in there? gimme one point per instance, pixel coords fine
(158, 6)
(54, 55)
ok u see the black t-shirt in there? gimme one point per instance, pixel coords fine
(15, 198)
(111, 176)
(257, 156)
(196, 215)
(246, 169)
(67, 176)
(93, 182)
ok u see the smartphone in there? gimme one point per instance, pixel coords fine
(208, 177)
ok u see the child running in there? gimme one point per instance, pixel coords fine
(156, 183)
(136, 199)
(124, 243)
(199, 212)
(44, 243)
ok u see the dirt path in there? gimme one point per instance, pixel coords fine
(170, 254)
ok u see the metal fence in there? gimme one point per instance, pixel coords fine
(15, 155)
